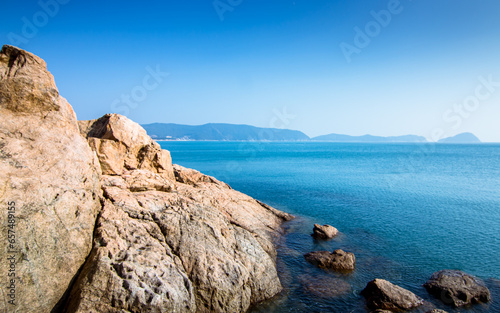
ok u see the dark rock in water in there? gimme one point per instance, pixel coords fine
(457, 288)
(383, 295)
(338, 260)
(324, 232)
(436, 311)
(325, 286)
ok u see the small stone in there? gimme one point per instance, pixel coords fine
(338, 260)
(324, 232)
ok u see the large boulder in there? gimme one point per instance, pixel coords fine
(324, 232)
(457, 288)
(50, 178)
(189, 244)
(122, 145)
(338, 260)
(381, 294)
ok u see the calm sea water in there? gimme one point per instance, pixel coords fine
(404, 210)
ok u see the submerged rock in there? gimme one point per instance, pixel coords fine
(457, 288)
(324, 231)
(324, 286)
(338, 260)
(49, 177)
(381, 294)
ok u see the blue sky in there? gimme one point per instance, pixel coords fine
(429, 68)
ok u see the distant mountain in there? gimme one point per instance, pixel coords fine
(369, 138)
(221, 132)
(461, 138)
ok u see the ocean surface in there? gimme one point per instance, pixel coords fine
(404, 210)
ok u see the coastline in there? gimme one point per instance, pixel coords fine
(134, 232)
(109, 223)
(361, 204)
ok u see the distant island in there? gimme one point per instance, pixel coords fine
(236, 132)
(221, 132)
(461, 138)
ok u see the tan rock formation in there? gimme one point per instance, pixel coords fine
(49, 172)
(324, 231)
(161, 242)
(215, 244)
(121, 145)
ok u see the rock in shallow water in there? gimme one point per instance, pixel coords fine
(381, 294)
(457, 288)
(338, 260)
(324, 231)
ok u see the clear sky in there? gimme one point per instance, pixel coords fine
(424, 67)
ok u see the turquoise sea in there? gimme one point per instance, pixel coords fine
(404, 210)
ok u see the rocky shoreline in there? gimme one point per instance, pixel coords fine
(105, 223)
(100, 220)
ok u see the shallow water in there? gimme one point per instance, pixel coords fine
(404, 210)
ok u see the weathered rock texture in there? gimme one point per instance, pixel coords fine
(381, 294)
(324, 232)
(49, 171)
(165, 238)
(338, 260)
(457, 288)
(161, 245)
(123, 145)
